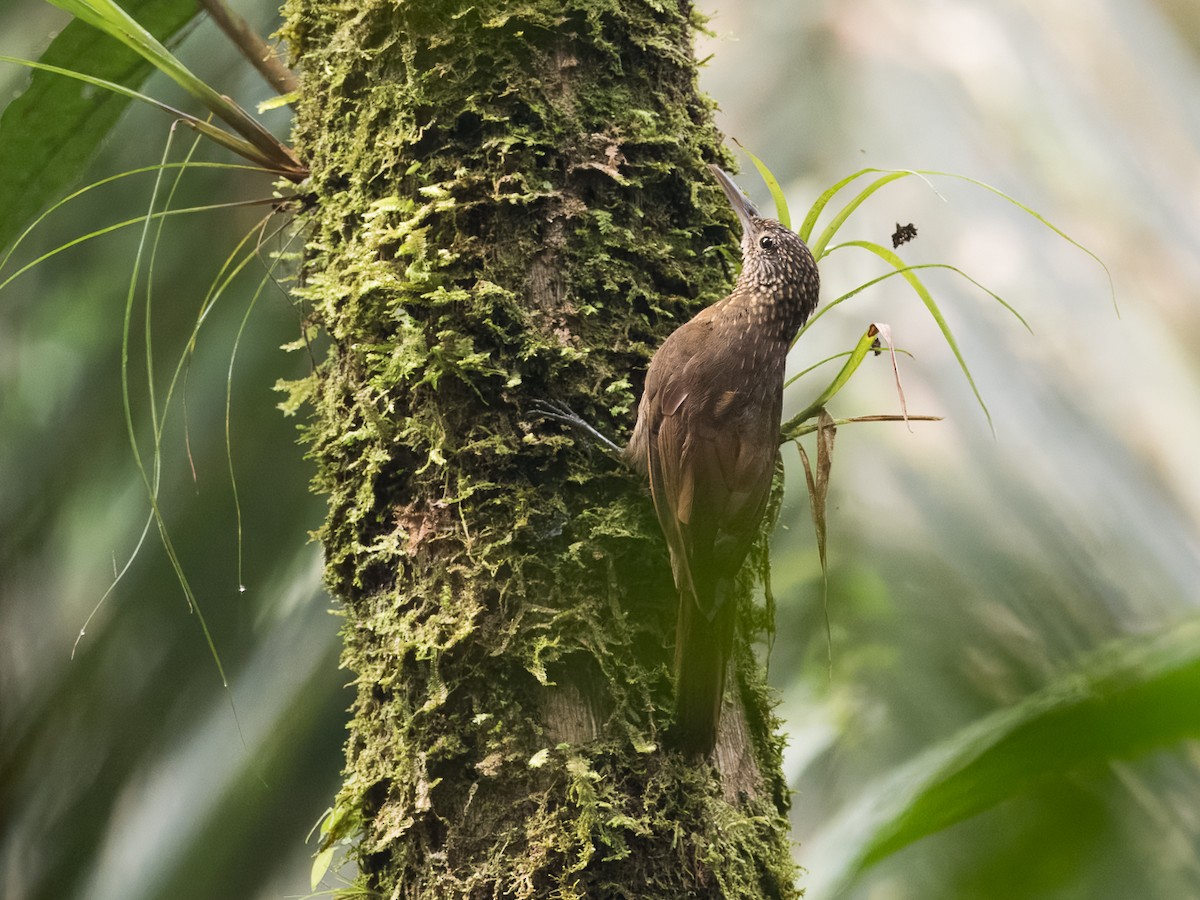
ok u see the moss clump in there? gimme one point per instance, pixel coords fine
(510, 202)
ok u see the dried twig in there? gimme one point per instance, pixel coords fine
(261, 54)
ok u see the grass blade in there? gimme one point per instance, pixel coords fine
(818, 207)
(864, 346)
(818, 246)
(781, 207)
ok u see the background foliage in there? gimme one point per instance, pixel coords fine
(969, 573)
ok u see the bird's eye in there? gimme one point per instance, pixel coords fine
(767, 242)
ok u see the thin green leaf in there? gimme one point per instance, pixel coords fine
(894, 272)
(907, 273)
(148, 328)
(828, 360)
(234, 264)
(814, 367)
(320, 866)
(818, 246)
(1112, 288)
(152, 478)
(818, 207)
(810, 220)
(29, 229)
(1131, 697)
(278, 102)
(151, 517)
(125, 224)
(112, 585)
(237, 503)
(151, 482)
(158, 419)
(857, 355)
(781, 207)
(51, 132)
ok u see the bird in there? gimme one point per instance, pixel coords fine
(706, 436)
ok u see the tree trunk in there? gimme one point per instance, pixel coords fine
(510, 202)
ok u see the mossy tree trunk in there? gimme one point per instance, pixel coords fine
(510, 202)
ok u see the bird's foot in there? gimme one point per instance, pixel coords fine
(560, 412)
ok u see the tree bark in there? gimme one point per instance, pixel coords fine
(510, 202)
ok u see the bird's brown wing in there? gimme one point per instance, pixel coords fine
(672, 484)
(710, 469)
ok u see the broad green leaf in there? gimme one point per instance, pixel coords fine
(1128, 698)
(114, 20)
(320, 866)
(50, 133)
(225, 139)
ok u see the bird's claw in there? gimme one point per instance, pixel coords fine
(558, 411)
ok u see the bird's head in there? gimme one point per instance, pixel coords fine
(775, 261)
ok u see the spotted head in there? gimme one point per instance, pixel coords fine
(776, 263)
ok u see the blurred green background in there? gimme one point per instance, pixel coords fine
(967, 570)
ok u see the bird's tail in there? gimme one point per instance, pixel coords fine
(702, 648)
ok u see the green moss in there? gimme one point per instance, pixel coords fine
(507, 205)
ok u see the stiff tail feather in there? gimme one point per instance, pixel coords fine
(702, 648)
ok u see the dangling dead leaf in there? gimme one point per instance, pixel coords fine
(884, 333)
(818, 491)
(818, 479)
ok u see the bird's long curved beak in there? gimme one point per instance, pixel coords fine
(739, 201)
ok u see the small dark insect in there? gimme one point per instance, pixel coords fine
(903, 234)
